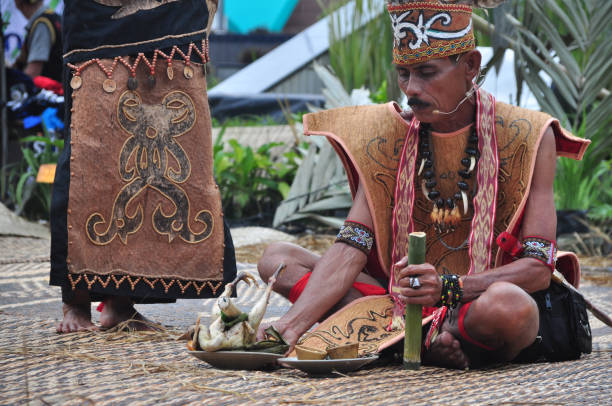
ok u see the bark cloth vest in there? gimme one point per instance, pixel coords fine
(52, 68)
(136, 210)
(372, 143)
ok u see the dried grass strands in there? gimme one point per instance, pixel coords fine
(306, 399)
(128, 326)
(203, 388)
(149, 368)
(59, 353)
(324, 401)
(66, 399)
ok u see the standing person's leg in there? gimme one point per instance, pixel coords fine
(112, 237)
(76, 306)
(119, 309)
(77, 314)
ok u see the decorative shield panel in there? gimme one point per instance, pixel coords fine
(143, 201)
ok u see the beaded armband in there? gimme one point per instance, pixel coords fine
(356, 235)
(541, 249)
(452, 291)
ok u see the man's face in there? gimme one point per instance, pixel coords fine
(437, 84)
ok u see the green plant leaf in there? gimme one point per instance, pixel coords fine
(265, 149)
(343, 201)
(21, 192)
(566, 59)
(28, 155)
(567, 21)
(599, 117)
(241, 198)
(569, 93)
(283, 188)
(600, 18)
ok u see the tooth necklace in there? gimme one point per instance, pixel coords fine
(445, 212)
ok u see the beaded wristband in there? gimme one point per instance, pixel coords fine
(452, 292)
(356, 235)
(541, 249)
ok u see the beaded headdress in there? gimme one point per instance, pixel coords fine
(429, 29)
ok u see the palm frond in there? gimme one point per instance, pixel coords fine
(320, 186)
(574, 52)
(568, 41)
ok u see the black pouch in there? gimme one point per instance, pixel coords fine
(564, 332)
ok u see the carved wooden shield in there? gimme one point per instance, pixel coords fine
(364, 321)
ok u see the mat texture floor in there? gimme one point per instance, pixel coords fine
(40, 367)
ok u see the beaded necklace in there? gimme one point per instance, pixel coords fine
(445, 211)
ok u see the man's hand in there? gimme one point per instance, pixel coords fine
(289, 335)
(428, 294)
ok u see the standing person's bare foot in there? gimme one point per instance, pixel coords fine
(77, 314)
(446, 352)
(120, 309)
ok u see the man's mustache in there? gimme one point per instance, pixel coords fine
(416, 102)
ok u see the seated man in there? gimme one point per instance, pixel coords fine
(469, 169)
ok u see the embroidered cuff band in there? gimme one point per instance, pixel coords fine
(540, 249)
(356, 235)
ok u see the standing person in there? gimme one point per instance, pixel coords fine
(136, 214)
(474, 174)
(41, 53)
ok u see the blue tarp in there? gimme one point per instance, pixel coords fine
(244, 16)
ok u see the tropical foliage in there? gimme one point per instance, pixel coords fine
(360, 47)
(20, 188)
(564, 55)
(320, 188)
(251, 182)
(585, 185)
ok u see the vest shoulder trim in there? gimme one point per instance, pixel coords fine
(520, 132)
(369, 141)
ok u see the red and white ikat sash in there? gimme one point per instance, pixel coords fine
(481, 235)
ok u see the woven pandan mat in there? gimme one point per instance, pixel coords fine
(251, 253)
(40, 367)
(21, 250)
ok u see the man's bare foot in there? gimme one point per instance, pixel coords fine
(446, 352)
(118, 310)
(77, 314)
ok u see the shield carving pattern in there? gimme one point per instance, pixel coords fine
(143, 200)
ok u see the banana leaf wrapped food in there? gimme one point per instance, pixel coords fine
(235, 330)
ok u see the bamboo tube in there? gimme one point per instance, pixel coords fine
(414, 313)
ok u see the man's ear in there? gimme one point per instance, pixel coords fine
(472, 60)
